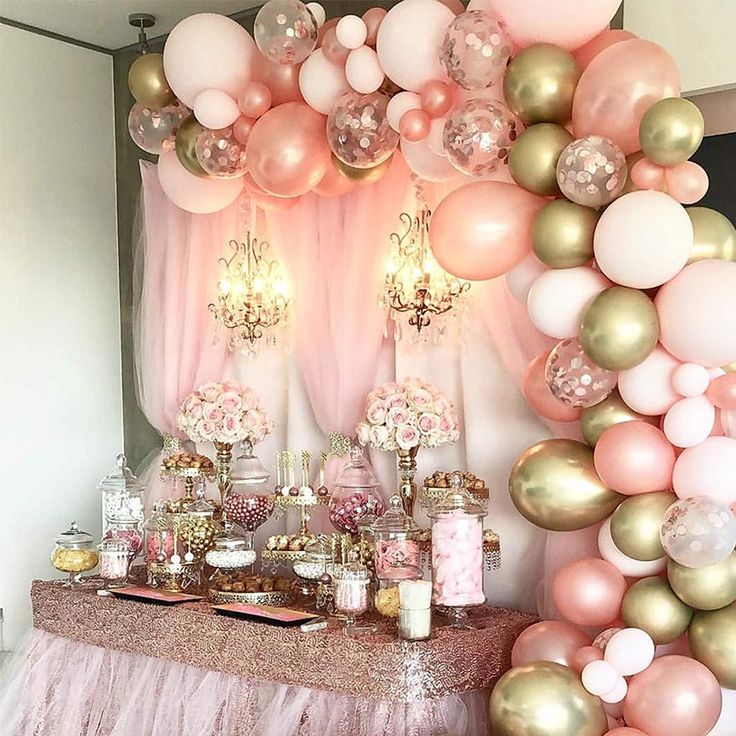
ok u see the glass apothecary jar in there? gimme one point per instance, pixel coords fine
(350, 584)
(198, 529)
(394, 539)
(230, 552)
(386, 600)
(74, 554)
(122, 498)
(318, 559)
(114, 561)
(356, 492)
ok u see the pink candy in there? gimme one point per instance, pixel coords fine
(345, 513)
(248, 509)
(388, 554)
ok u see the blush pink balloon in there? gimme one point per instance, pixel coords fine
(436, 98)
(691, 379)
(634, 457)
(483, 229)
(321, 82)
(287, 151)
(363, 70)
(455, 5)
(618, 87)
(331, 23)
(333, 50)
(215, 109)
(242, 128)
(687, 182)
(521, 277)
(625, 731)
(282, 80)
(266, 201)
(255, 99)
(400, 104)
(415, 125)
(674, 696)
(587, 52)
(351, 31)
(689, 421)
(722, 391)
(548, 641)
(589, 592)
(584, 655)
(373, 19)
(539, 396)
(334, 184)
(708, 469)
(647, 175)
(425, 163)
(647, 388)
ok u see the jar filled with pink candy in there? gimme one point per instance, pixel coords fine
(394, 539)
(457, 552)
(356, 493)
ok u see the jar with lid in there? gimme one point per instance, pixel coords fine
(356, 493)
(198, 529)
(230, 552)
(122, 501)
(457, 551)
(386, 600)
(74, 554)
(351, 582)
(114, 561)
(394, 539)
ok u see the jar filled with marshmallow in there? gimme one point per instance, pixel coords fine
(351, 582)
(394, 539)
(114, 553)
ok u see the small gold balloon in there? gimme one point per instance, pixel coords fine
(671, 131)
(713, 235)
(650, 604)
(712, 638)
(595, 420)
(562, 232)
(545, 698)
(620, 328)
(730, 367)
(147, 82)
(635, 525)
(185, 141)
(362, 176)
(533, 157)
(540, 83)
(705, 588)
(554, 485)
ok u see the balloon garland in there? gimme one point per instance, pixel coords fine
(570, 147)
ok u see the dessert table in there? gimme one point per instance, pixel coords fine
(114, 667)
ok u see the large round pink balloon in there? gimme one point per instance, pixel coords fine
(689, 421)
(626, 565)
(634, 457)
(208, 51)
(287, 150)
(674, 696)
(647, 388)
(539, 396)
(321, 82)
(643, 239)
(618, 87)
(483, 229)
(409, 40)
(708, 469)
(425, 163)
(585, 54)
(697, 313)
(195, 194)
(548, 641)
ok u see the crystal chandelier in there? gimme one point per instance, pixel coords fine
(252, 296)
(415, 284)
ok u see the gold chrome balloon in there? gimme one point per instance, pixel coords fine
(595, 420)
(554, 485)
(362, 176)
(712, 638)
(730, 367)
(620, 328)
(705, 588)
(147, 82)
(635, 525)
(545, 699)
(540, 83)
(714, 236)
(671, 131)
(533, 157)
(562, 231)
(186, 138)
(650, 604)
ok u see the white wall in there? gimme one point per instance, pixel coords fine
(60, 375)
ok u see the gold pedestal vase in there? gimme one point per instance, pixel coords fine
(223, 464)
(407, 464)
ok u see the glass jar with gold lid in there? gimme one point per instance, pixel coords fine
(356, 492)
(394, 539)
(74, 554)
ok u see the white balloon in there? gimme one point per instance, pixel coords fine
(690, 379)
(318, 12)
(558, 298)
(399, 104)
(647, 388)
(629, 651)
(521, 277)
(351, 31)
(321, 82)
(643, 239)
(434, 139)
(627, 566)
(725, 723)
(424, 163)
(617, 693)
(215, 109)
(363, 70)
(689, 421)
(599, 677)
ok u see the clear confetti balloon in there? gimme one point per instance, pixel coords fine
(285, 31)
(574, 378)
(358, 131)
(220, 154)
(698, 531)
(475, 50)
(601, 641)
(591, 171)
(478, 136)
(154, 130)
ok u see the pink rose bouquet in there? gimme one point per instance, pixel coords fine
(413, 413)
(225, 412)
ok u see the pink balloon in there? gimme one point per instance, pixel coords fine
(351, 31)
(415, 125)
(267, 201)
(373, 19)
(625, 731)
(586, 53)
(634, 457)
(281, 79)
(674, 696)
(548, 641)
(363, 70)
(722, 391)
(331, 23)
(626, 565)
(691, 379)
(697, 313)
(334, 184)
(619, 86)
(437, 98)
(426, 164)
(287, 150)
(687, 182)
(689, 421)
(400, 104)
(589, 592)
(647, 175)
(680, 645)
(242, 128)
(647, 388)
(708, 469)
(215, 109)
(540, 398)
(566, 23)
(434, 139)
(333, 50)
(321, 82)
(195, 194)
(584, 655)
(483, 229)
(455, 5)
(520, 278)
(254, 100)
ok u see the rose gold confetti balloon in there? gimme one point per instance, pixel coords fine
(285, 31)
(591, 171)
(220, 154)
(154, 130)
(475, 50)
(358, 131)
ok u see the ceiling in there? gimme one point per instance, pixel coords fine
(105, 22)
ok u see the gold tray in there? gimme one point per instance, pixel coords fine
(433, 493)
(209, 473)
(281, 555)
(287, 501)
(272, 598)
